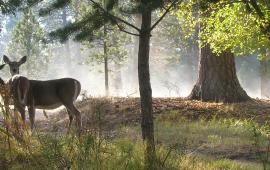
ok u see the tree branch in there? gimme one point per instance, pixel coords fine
(115, 17)
(125, 31)
(257, 8)
(164, 14)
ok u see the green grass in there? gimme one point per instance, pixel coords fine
(216, 144)
(218, 140)
(87, 153)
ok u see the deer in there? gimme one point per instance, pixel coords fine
(10, 95)
(48, 94)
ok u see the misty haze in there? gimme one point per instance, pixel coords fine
(135, 85)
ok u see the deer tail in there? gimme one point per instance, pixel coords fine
(77, 89)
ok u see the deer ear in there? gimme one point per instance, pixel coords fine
(6, 59)
(23, 60)
(2, 66)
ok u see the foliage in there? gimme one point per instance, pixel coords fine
(226, 25)
(100, 14)
(238, 29)
(114, 39)
(115, 44)
(27, 39)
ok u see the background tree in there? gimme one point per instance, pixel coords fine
(62, 54)
(174, 52)
(243, 26)
(27, 39)
(217, 75)
(108, 46)
(111, 52)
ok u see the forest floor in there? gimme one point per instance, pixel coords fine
(212, 130)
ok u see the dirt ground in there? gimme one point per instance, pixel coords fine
(110, 113)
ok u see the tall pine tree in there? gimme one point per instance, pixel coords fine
(27, 39)
(108, 46)
(84, 30)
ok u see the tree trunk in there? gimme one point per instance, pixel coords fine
(147, 124)
(105, 52)
(265, 78)
(217, 79)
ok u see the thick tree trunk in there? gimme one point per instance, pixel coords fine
(147, 124)
(217, 79)
(265, 79)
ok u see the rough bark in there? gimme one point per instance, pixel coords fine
(147, 124)
(217, 80)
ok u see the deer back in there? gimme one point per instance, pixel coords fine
(53, 93)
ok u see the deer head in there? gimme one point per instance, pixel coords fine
(14, 66)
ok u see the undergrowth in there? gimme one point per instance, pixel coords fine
(22, 149)
(89, 152)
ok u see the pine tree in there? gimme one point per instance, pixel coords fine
(27, 39)
(84, 30)
(109, 50)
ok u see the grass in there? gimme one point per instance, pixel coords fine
(182, 143)
(226, 133)
(216, 140)
(88, 152)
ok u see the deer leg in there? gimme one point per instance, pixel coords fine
(21, 109)
(32, 112)
(78, 118)
(77, 114)
(70, 115)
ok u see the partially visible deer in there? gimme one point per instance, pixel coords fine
(48, 94)
(17, 94)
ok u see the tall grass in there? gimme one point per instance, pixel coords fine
(21, 149)
(91, 153)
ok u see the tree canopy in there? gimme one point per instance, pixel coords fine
(27, 39)
(238, 26)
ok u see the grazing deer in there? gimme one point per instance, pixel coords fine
(48, 94)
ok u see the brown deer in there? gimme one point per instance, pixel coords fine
(48, 94)
(10, 94)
